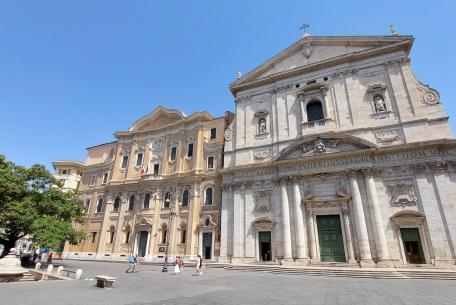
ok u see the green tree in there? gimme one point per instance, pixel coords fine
(30, 205)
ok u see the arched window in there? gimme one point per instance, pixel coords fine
(164, 234)
(208, 196)
(127, 234)
(116, 206)
(87, 206)
(183, 233)
(167, 202)
(112, 231)
(146, 204)
(131, 203)
(100, 205)
(185, 198)
(314, 111)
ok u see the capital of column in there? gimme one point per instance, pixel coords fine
(351, 173)
(368, 172)
(439, 166)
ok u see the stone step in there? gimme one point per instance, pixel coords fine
(27, 277)
(355, 273)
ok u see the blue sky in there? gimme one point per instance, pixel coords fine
(73, 72)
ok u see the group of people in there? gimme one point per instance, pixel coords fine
(178, 264)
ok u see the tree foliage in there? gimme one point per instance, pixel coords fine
(30, 205)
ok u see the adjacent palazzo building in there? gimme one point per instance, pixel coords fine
(155, 191)
(338, 153)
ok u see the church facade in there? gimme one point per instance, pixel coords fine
(338, 154)
(155, 191)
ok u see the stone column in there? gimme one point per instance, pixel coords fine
(287, 253)
(102, 238)
(348, 236)
(363, 238)
(225, 218)
(300, 227)
(249, 240)
(312, 242)
(238, 228)
(377, 222)
(118, 236)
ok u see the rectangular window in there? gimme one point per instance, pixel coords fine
(139, 160)
(190, 150)
(156, 169)
(184, 236)
(164, 235)
(213, 133)
(94, 236)
(124, 161)
(105, 178)
(173, 155)
(92, 180)
(210, 162)
(64, 171)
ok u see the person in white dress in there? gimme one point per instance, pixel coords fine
(177, 266)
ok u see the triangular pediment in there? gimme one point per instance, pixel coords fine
(313, 51)
(324, 144)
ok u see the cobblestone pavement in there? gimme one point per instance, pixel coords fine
(218, 286)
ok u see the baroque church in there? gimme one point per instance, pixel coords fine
(335, 153)
(338, 153)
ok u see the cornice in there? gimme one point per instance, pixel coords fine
(409, 147)
(347, 58)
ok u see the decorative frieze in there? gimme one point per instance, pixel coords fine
(402, 192)
(262, 154)
(387, 136)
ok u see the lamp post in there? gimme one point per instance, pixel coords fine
(171, 216)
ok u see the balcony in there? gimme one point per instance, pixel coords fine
(151, 177)
(318, 123)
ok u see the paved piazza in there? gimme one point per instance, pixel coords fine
(217, 286)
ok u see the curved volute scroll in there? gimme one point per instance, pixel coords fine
(317, 145)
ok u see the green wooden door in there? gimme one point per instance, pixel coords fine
(330, 238)
(412, 245)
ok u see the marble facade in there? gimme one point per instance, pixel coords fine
(339, 154)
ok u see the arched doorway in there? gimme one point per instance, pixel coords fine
(264, 239)
(410, 228)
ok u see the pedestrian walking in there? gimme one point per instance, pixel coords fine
(181, 264)
(177, 266)
(131, 264)
(199, 265)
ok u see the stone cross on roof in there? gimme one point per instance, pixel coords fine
(304, 28)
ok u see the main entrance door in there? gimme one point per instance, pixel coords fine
(412, 245)
(264, 242)
(207, 245)
(142, 244)
(330, 238)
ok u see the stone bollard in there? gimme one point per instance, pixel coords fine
(38, 266)
(59, 270)
(78, 274)
(49, 269)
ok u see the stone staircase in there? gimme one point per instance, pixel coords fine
(28, 277)
(375, 273)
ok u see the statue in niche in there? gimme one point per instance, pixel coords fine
(379, 103)
(262, 125)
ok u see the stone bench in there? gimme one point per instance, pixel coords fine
(104, 281)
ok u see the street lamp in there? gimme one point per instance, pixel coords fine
(171, 216)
